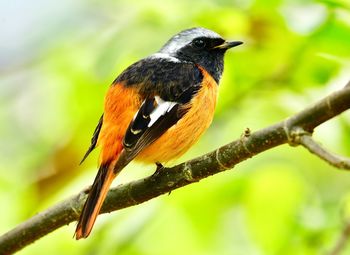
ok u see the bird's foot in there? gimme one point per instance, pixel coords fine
(159, 168)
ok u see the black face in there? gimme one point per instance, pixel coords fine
(205, 52)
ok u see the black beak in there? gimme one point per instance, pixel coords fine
(227, 45)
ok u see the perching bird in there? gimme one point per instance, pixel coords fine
(156, 110)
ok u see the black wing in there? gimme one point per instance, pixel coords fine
(94, 139)
(139, 124)
(153, 119)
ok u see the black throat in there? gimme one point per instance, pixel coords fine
(211, 61)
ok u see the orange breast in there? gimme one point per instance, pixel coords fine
(180, 137)
(120, 107)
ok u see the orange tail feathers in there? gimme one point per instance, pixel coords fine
(94, 202)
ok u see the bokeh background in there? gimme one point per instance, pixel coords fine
(57, 59)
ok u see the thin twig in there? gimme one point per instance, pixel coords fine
(335, 160)
(168, 179)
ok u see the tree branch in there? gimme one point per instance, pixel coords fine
(168, 179)
(335, 160)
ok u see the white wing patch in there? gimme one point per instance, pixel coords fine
(162, 108)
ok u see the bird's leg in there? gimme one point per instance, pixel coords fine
(159, 168)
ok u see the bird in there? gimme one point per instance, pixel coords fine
(155, 110)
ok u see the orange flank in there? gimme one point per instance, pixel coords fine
(180, 137)
(121, 104)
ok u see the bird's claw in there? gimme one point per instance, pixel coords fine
(159, 168)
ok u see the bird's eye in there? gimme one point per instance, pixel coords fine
(199, 43)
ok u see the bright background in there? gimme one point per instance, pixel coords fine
(57, 59)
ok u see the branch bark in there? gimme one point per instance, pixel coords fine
(165, 180)
(335, 160)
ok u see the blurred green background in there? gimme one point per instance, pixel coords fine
(57, 61)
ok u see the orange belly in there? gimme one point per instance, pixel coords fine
(180, 137)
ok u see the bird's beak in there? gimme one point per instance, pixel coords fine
(227, 45)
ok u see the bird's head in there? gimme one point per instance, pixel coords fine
(200, 46)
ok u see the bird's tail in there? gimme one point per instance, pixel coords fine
(93, 204)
